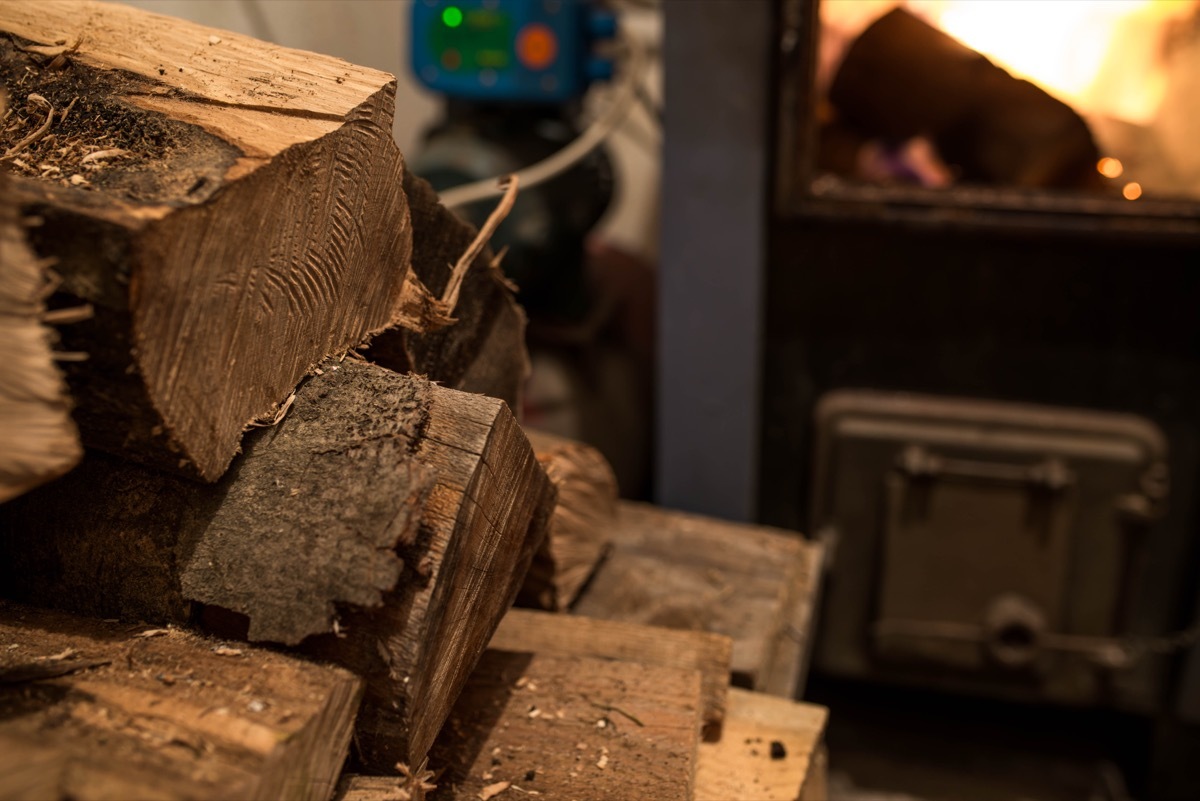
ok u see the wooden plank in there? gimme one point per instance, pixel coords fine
(816, 784)
(355, 787)
(766, 753)
(135, 712)
(571, 728)
(30, 772)
(787, 671)
(751, 583)
(385, 522)
(527, 631)
(584, 515)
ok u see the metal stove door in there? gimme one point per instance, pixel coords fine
(975, 559)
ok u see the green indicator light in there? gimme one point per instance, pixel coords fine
(452, 17)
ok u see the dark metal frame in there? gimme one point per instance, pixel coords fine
(1036, 297)
(800, 192)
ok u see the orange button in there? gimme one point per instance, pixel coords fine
(536, 46)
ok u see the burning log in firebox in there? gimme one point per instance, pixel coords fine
(912, 104)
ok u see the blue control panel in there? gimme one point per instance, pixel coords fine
(539, 51)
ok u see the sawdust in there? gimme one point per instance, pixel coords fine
(97, 140)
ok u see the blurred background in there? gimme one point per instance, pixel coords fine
(917, 278)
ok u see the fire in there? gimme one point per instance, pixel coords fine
(1103, 57)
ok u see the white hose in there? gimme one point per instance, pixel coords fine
(625, 94)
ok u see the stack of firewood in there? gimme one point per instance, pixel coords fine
(258, 456)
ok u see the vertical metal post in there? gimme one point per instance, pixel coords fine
(717, 56)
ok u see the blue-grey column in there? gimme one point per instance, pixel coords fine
(717, 56)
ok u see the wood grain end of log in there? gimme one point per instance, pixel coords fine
(254, 210)
(580, 531)
(482, 525)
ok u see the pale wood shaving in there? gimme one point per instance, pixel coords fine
(493, 790)
(419, 310)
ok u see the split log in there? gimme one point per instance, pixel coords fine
(484, 350)
(551, 634)
(113, 711)
(755, 584)
(399, 515)
(40, 440)
(580, 528)
(571, 728)
(771, 751)
(232, 209)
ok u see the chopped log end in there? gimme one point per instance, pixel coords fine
(211, 305)
(581, 526)
(507, 508)
(98, 141)
(310, 255)
(495, 500)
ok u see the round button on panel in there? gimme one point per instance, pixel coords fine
(537, 46)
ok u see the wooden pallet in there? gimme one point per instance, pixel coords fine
(754, 584)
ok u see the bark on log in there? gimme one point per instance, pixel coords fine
(484, 350)
(39, 439)
(106, 711)
(581, 526)
(397, 514)
(232, 209)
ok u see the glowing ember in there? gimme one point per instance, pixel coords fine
(1110, 167)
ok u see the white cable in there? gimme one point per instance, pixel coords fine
(624, 96)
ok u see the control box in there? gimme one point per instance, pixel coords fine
(534, 51)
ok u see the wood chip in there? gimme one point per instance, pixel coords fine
(493, 790)
(153, 633)
(66, 654)
(224, 650)
(111, 153)
(74, 314)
